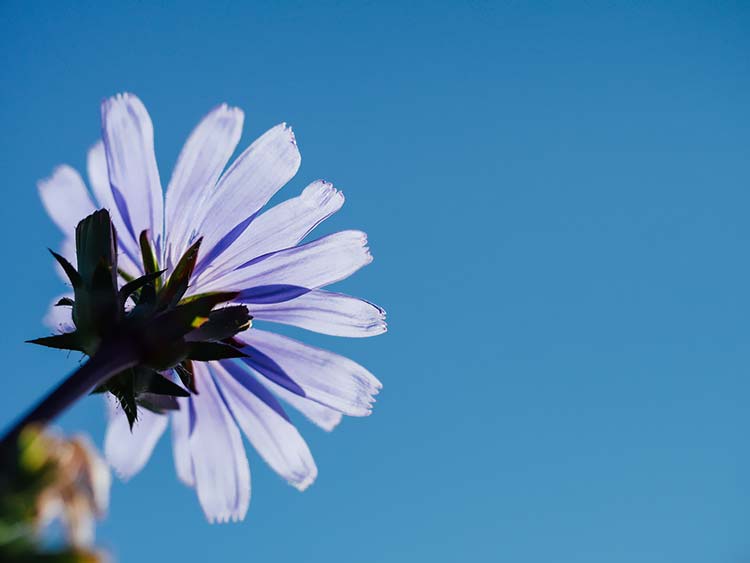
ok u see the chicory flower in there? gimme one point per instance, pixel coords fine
(256, 256)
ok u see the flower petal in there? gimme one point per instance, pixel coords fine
(257, 174)
(326, 312)
(180, 446)
(324, 417)
(66, 199)
(198, 168)
(324, 377)
(312, 265)
(127, 452)
(128, 250)
(60, 319)
(96, 168)
(222, 474)
(128, 137)
(272, 435)
(282, 226)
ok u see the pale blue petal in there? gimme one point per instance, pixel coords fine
(222, 474)
(128, 258)
(128, 137)
(326, 312)
(325, 417)
(282, 226)
(324, 377)
(257, 174)
(312, 265)
(272, 435)
(180, 446)
(198, 168)
(66, 199)
(128, 451)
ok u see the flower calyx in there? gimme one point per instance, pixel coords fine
(151, 313)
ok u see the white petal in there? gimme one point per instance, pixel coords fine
(326, 312)
(60, 319)
(180, 446)
(66, 199)
(128, 137)
(127, 452)
(258, 173)
(282, 226)
(222, 474)
(312, 265)
(327, 378)
(274, 437)
(198, 168)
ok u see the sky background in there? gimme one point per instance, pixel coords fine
(556, 196)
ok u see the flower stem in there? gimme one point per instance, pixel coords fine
(111, 358)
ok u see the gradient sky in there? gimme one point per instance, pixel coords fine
(556, 195)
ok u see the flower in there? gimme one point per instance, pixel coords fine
(258, 254)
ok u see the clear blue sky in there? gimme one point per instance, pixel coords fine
(557, 198)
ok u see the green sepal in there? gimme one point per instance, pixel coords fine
(165, 329)
(189, 314)
(65, 341)
(222, 324)
(150, 264)
(208, 351)
(134, 285)
(178, 282)
(159, 404)
(96, 245)
(161, 338)
(150, 381)
(70, 271)
(124, 275)
(121, 386)
(104, 280)
(186, 374)
(147, 297)
(96, 310)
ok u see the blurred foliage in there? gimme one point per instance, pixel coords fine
(47, 479)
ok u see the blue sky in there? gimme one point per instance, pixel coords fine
(556, 196)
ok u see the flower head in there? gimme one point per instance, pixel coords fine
(257, 256)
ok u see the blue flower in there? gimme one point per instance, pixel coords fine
(258, 253)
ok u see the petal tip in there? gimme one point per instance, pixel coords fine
(292, 137)
(330, 425)
(224, 109)
(322, 194)
(308, 480)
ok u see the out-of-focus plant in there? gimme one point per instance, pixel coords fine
(48, 479)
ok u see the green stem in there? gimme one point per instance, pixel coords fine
(111, 358)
